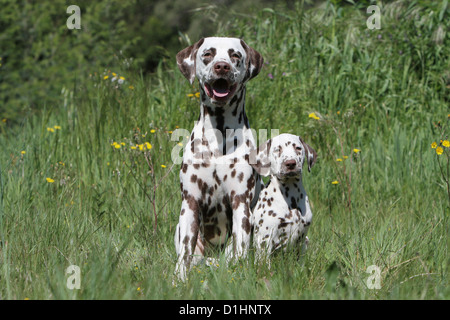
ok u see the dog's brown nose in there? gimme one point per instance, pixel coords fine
(290, 164)
(221, 68)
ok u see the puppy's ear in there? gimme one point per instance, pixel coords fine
(311, 155)
(186, 60)
(254, 61)
(260, 158)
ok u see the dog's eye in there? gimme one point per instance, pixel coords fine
(298, 148)
(207, 54)
(236, 56)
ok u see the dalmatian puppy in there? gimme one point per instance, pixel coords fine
(282, 215)
(218, 185)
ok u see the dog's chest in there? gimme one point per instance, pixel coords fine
(283, 215)
(216, 172)
(207, 171)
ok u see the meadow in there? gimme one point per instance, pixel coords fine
(90, 181)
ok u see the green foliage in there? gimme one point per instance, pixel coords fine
(40, 55)
(112, 208)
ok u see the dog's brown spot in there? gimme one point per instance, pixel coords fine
(246, 226)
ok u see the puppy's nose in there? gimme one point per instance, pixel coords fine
(221, 68)
(289, 164)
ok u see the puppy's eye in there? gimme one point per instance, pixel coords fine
(236, 56)
(298, 148)
(207, 54)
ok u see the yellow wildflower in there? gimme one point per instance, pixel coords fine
(153, 131)
(345, 157)
(190, 95)
(338, 159)
(57, 127)
(141, 147)
(133, 148)
(105, 77)
(356, 150)
(197, 94)
(434, 145)
(50, 180)
(314, 116)
(122, 78)
(23, 152)
(446, 143)
(148, 145)
(439, 150)
(335, 182)
(50, 129)
(163, 166)
(117, 146)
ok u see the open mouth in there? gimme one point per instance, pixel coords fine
(220, 89)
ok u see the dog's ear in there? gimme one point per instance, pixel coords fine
(311, 155)
(186, 60)
(254, 61)
(260, 158)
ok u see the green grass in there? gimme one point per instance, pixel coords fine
(381, 91)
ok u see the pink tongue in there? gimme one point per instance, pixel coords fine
(221, 94)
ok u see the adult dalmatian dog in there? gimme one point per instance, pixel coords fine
(282, 215)
(218, 184)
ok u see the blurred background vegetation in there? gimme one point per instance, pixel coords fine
(40, 55)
